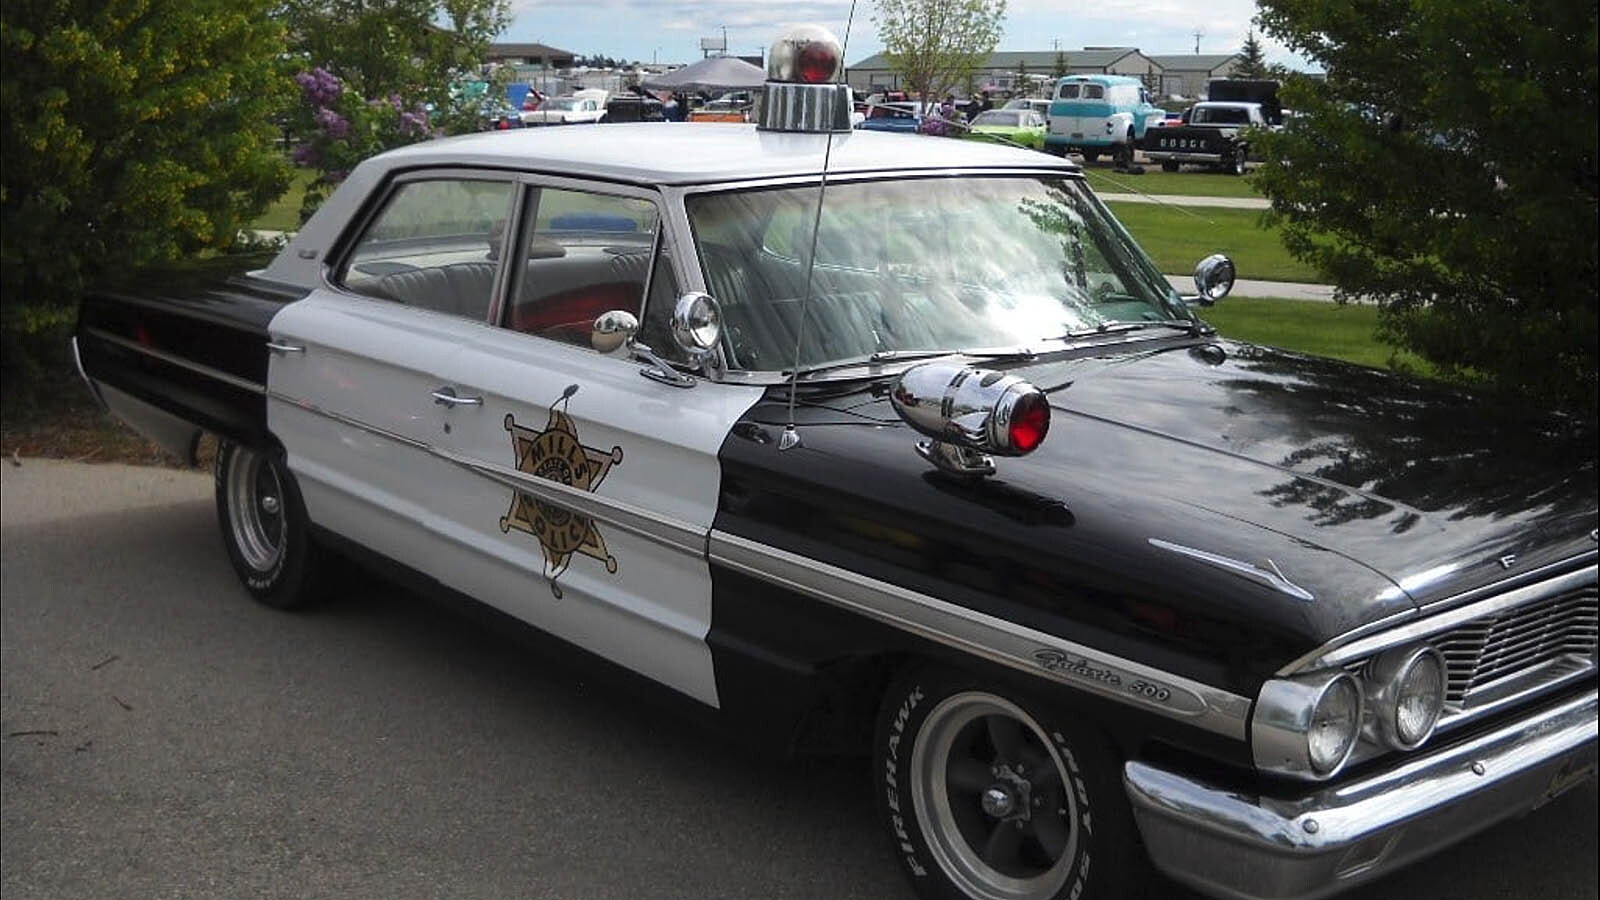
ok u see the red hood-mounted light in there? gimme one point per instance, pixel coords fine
(970, 413)
(802, 92)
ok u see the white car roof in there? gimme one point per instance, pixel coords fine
(649, 154)
(654, 153)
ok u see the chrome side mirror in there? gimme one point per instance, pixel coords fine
(1213, 278)
(697, 323)
(613, 329)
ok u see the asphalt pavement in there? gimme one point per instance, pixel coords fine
(161, 736)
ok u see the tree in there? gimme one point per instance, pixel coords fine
(386, 49)
(1446, 166)
(133, 131)
(1024, 84)
(378, 74)
(1060, 69)
(936, 44)
(1252, 59)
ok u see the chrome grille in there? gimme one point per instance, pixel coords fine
(1486, 656)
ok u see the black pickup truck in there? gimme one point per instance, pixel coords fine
(1093, 586)
(1216, 132)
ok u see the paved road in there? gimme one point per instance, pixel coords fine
(1246, 288)
(1188, 200)
(161, 736)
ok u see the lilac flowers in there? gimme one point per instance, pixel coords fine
(320, 87)
(337, 128)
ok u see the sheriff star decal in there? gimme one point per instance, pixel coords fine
(557, 454)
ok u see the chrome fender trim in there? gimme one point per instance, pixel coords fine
(991, 638)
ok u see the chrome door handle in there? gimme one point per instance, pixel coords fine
(447, 396)
(280, 349)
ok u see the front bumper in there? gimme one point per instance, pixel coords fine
(1232, 844)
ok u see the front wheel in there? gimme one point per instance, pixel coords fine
(264, 526)
(1122, 154)
(988, 797)
(1169, 165)
(1233, 163)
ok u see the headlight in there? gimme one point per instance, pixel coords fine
(1306, 726)
(1406, 691)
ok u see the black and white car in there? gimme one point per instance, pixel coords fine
(745, 414)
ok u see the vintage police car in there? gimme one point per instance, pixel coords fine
(738, 407)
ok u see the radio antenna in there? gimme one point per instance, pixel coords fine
(791, 437)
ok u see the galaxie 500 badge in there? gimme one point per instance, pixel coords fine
(556, 454)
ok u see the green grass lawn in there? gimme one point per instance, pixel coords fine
(1178, 237)
(284, 214)
(1322, 329)
(1189, 182)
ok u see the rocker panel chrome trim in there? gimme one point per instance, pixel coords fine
(991, 638)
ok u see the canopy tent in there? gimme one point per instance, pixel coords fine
(714, 73)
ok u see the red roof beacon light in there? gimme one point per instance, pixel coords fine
(805, 53)
(802, 93)
(970, 413)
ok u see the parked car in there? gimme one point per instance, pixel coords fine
(1039, 105)
(634, 108)
(1099, 114)
(731, 106)
(583, 107)
(893, 116)
(740, 409)
(1019, 126)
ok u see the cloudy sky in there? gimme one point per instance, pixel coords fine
(670, 30)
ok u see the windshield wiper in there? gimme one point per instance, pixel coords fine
(1193, 327)
(875, 358)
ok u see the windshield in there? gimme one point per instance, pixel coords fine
(560, 105)
(928, 264)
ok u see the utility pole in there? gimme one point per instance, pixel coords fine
(1198, 34)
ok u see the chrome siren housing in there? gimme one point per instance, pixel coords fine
(970, 413)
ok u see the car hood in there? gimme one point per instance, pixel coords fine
(1435, 489)
(1224, 508)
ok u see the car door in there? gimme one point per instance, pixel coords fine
(354, 380)
(586, 491)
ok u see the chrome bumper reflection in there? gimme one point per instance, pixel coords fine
(1231, 844)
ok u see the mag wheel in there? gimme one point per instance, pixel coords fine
(987, 798)
(264, 526)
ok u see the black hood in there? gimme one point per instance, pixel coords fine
(1192, 506)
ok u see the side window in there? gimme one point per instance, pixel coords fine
(432, 246)
(1068, 92)
(584, 254)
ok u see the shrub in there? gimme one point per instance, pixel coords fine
(133, 131)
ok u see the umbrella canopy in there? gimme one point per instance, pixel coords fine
(714, 73)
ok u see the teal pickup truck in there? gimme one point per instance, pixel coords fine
(1095, 114)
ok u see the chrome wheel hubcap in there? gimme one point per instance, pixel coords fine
(991, 795)
(255, 509)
